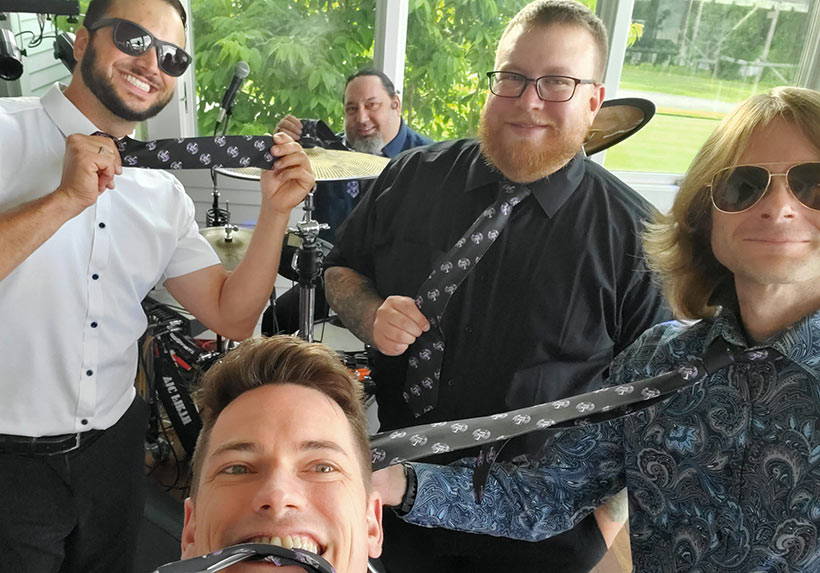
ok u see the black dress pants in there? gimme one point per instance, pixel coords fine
(412, 549)
(78, 511)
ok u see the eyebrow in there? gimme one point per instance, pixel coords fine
(307, 445)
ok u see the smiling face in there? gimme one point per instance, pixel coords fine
(372, 117)
(527, 138)
(131, 88)
(777, 241)
(282, 467)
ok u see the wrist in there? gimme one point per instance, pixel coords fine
(411, 485)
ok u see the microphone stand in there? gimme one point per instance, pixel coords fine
(308, 266)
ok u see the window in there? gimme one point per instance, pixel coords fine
(696, 60)
(299, 52)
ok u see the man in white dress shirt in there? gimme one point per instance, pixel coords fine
(83, 241)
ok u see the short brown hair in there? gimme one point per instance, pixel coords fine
(544, 13)
(280, 360)
(678, 245)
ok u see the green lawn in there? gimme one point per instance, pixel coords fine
(682, 81)
(666, 144)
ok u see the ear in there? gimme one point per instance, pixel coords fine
(596, 98)
(188, 530)
(81, 39)
(375, 533)
(396, 103)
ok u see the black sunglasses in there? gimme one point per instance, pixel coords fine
(740, 187)
(134, 40)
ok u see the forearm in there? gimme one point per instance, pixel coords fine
(26, 227)
(355, 300)
(247, 289)
(526, 504)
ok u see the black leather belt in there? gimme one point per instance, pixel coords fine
(46, 445)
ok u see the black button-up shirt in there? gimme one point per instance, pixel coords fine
(560, 293)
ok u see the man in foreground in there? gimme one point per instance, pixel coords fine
(534, 317)
(283, 457)
(724, 475)
(84, 239)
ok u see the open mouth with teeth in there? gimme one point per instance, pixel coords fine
(290, 542)
(137, 83)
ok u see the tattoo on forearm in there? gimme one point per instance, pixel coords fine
(354, 299)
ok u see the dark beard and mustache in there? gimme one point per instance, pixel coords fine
(103, 89)
(526, 162)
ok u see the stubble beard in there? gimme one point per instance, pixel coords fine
(526, 162)
(103, 89)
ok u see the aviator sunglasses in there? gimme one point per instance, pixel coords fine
(134, 40)
(739, 187)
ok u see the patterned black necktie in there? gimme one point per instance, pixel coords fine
(197, 152)
(426, 354)
(407, 444)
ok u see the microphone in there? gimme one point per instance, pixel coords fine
(240, 72)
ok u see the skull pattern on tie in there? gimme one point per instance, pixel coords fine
(425, 355)
(197, 152)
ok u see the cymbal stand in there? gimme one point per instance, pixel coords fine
(219, 217)
(308, 266)
(216, 216)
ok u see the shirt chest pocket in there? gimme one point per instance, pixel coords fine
(402, 266)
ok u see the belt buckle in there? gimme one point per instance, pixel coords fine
(69, 449)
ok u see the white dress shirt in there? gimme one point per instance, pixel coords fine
(71, 313)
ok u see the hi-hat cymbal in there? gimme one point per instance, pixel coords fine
(327, 164)
(230, 244)
(616, 120)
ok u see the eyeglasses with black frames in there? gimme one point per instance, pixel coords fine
(548, 88)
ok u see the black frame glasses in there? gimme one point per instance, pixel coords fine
(549, 88)
(738, 188)
(132, 39)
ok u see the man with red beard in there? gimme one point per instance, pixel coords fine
(541, 313)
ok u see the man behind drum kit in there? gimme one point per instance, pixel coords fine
(373, 124)
(283, 457)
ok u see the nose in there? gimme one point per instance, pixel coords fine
(778, 202)
(362, 116)
(530, 97)
(279, 493)
(148, 62)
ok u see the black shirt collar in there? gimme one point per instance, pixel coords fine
(551, 191)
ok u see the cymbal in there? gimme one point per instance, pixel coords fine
(616, 120)
(230, 245)
(327, 164)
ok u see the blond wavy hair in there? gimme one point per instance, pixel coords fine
(678, 245)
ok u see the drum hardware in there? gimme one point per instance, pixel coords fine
(216, 216)
(308, 266)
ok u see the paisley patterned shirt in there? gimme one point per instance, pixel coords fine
(723, 476)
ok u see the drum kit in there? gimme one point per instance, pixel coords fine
(617, 120)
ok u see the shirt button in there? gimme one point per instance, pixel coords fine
(95, 276)
(94, 324)
(84, 422)
(89, 372)
(451, 382)
(101, 225)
